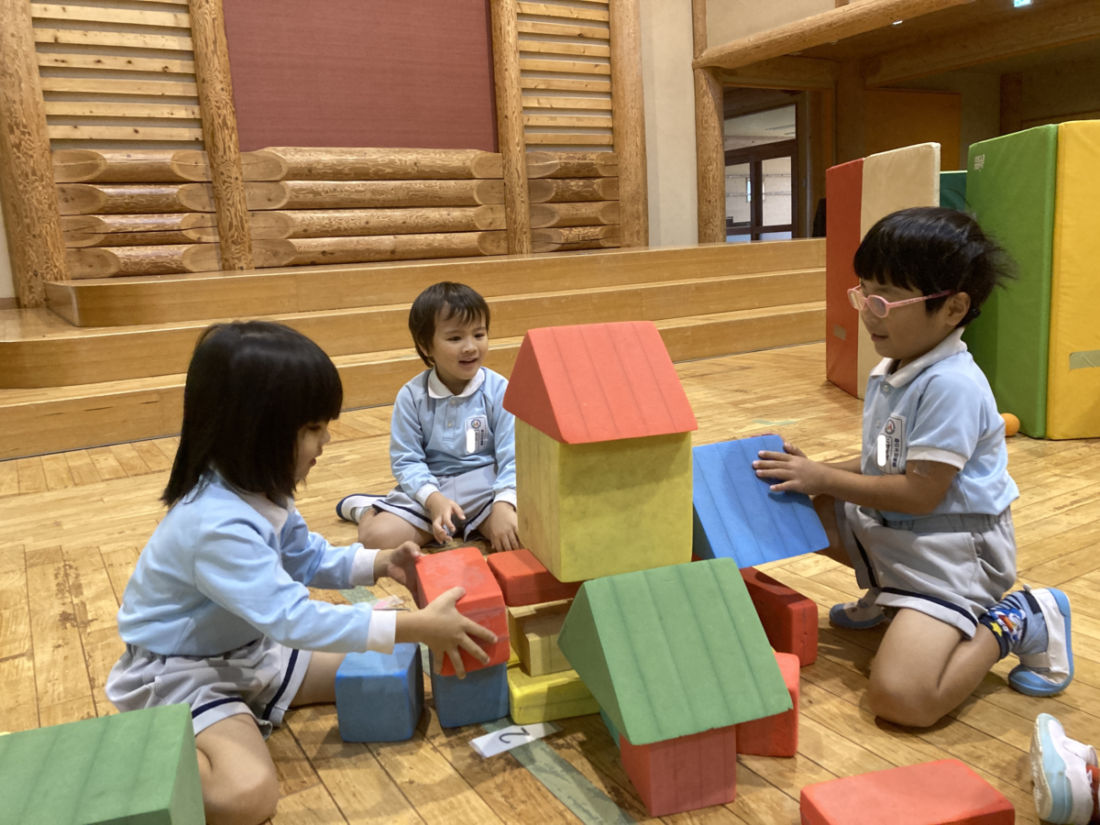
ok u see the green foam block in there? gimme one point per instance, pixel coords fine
(673, 651)
(953, 190)
(137, 768)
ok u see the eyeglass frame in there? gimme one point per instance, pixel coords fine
(855, 294)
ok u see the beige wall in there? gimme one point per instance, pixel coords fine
(733, 19)
(1059, 91)
(981, 104)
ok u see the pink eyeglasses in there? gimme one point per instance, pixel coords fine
(880, 307)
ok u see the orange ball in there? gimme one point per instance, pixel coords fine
(1012, 424)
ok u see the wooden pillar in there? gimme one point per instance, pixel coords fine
(699, 26)
(27, 190)
(710, 157)
(513, 147)
(850, 112)
(219, 132)
(628, 120)
(1012, 102)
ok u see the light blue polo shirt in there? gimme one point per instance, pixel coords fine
(939, 408)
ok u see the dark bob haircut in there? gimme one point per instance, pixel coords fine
(445, 300)
(932, 250)
(251, 387)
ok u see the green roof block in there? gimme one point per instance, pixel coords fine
(673, 651)
(137, 768)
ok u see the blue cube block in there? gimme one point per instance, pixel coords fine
(481, 697)
(379, 696)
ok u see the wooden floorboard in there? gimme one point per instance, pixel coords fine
(74, 524)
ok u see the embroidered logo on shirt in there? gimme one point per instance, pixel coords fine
(891, 446)
(477, 433)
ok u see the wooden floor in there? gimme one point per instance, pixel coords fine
(73, 524)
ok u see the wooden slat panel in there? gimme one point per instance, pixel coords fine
(561, 84)
(93, 14)
(565, 66)
(568, 49)
(173, 88)
(118, 63)
(569, 12)
(128, 110)
(124, 40)
(545, 139)
(532, 102)
(135, 132)
(579, 121)
(560, 30)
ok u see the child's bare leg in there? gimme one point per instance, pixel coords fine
(239, 783)
(319, 684)
(825, 507)
(383, 531)
(923, 669)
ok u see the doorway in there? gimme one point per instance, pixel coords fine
(761, 158)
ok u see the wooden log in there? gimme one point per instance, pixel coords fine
(152, 166)
(313, 251)
(29, 200)
(303, 194)
(321, 164)
(510, 130)
(332, 223)
(698, 27)
(109, 262)
(592, 213)
(575, 237)
(710, 158)
(138, 230)
(94, 198)
(219, 129)
(629, 120)
(572, 164)
(566, 190)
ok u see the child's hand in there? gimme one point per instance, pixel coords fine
(502, 527)
(399, 565)
(790, 449)
(796, 472)
(445, 631)
(443, 511)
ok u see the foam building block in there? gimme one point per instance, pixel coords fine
(683, 774)
(673, 651)
(138, 767)
(534, 633)
(603, 450)
(946, 792)
(775, 735)
(484, 603)
(611, 729)
(525, 580)
(953, 190)
(843, 193)
(1073, 376)
(481, 697)
(788, 617)
(738, 516)
(545, 698)
(1010, 188)
(379, 696)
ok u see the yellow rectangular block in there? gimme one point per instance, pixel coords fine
(545, 698)
(593, 510)
(534, 629)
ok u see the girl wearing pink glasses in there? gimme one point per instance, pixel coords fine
(924, 515)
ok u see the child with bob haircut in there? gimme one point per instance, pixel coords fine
(217, 613)
(452, 443)
(924, 515)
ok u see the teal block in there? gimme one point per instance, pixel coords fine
(611, 729)
(953, 190)
(137, 768)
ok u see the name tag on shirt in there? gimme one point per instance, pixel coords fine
(477, 433)
(890, 446)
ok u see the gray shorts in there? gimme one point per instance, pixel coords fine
(951, 567)
(260, 678)
(473, 491)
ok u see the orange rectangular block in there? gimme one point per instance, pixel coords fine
(946, 792)
(774, 735)
(789, 618)
(465, 567)
(525, 580)
(685, 773)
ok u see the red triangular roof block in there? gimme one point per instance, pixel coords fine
(598, 382)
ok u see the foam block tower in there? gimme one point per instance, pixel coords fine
(138, 767)
(775, 735)
(525, 580)
(788, 617)
(481, 697)
(379, 696)
(603, 450)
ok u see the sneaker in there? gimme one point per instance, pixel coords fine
(862, 614)
(351, 507)
(1049, 670)
(1059, 768)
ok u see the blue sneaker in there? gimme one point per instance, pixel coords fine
(1045, 668)
(862, 614)
(1059, 768)
(350, 508)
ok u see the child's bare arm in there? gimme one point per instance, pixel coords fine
(445, 631)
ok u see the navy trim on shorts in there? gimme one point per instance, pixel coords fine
(214, 704)
(282, 688)
(941, 602)
(466, 532)
(384, 505)
(866, 561)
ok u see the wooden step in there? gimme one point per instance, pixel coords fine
(37, 421)
(39, 350)
(264, 293)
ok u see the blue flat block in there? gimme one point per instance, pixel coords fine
(481, 697)
(737, 516)
(379, 697)
(611, 729)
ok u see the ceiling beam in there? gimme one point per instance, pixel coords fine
(1020, 31)
(783, 73)
(827, 27)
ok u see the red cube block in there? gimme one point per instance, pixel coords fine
(789, 618)
(933, 793)
(484, 603)
(685, 773)
(525, 580)
(774, 735)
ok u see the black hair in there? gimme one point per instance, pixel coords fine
(444, 300)
(932, 249)
(251, 387)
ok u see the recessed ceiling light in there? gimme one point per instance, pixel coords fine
(898, 22)
(1021, 3)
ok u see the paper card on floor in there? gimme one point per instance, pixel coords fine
(504, 740)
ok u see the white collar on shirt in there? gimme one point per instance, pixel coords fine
(437, 389)
(951, 345)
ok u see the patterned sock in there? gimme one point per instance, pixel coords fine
(1009, 618)
(1094, 776)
